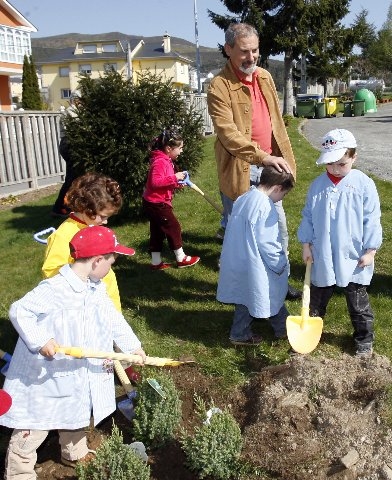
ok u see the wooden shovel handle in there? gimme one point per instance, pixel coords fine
(122, 376)
(79, 352)
(209, 200)
(306, 290)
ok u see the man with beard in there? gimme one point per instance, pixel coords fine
(250, 133)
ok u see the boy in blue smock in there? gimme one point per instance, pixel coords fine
(340, 232)
(254, 268)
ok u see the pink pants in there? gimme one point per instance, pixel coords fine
(22, 450)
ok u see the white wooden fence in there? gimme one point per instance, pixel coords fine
(29, 156)
(199, 102)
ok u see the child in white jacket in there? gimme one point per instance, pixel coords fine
(50, 390)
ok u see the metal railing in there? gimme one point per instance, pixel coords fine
(29, 155)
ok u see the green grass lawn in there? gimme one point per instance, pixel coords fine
(174, 312)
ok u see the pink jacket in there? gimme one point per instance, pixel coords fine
(161, 181)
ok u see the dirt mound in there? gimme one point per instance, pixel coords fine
(313, 418)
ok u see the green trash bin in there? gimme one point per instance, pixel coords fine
(320, 110)
(359, 108)
(348, 109)
(306, 108)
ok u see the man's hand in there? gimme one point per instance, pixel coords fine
(278, 162)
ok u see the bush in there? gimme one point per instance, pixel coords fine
(215, 446)
(117, 121)
(156, 418)
(114, 461)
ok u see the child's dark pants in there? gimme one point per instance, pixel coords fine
(358, 305)
(163, 224)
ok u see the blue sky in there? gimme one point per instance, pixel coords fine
(148, 17)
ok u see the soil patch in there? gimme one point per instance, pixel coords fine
(308, 419)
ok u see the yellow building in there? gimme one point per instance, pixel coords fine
(60, 72)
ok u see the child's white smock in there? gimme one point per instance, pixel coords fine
(341, 222)
(253, 266)
(61, 393)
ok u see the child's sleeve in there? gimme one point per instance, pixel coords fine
(270, 243)
(25, 313)
(305, 229)
(372, 230)
(57, 254)
(160, 178)
(123, 335)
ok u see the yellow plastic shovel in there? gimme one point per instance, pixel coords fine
(304, 332)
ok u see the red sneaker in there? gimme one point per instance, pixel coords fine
(160, 266)
(187, 262)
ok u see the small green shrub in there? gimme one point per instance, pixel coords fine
(116, 121)
(156, 418)
(215, 446)
(114, 461)
(287, 119)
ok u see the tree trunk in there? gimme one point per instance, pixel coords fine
(288, 95)
(325, 88)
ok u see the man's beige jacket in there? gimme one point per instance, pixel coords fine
(230, 107)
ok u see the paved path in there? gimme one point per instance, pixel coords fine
(373, 133)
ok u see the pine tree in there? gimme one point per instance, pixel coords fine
(379, 52)
(31, 97)
(293, 28)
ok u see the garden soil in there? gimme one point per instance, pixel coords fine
(307, 419)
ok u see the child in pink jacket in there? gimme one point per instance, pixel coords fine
(157, 200)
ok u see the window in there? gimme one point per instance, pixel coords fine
(64, 71)
(109, 47)
(14, 44)
(65, 93)
(110, 66)
(89, 49)
(85, 68)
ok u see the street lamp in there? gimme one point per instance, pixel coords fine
(197, 49)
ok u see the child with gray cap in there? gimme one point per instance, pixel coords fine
(340, 233)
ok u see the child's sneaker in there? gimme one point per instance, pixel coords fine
(72, 463)
(187, 261)
(364, 351)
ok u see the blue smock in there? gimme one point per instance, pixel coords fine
(341, 222)
(253, 266)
